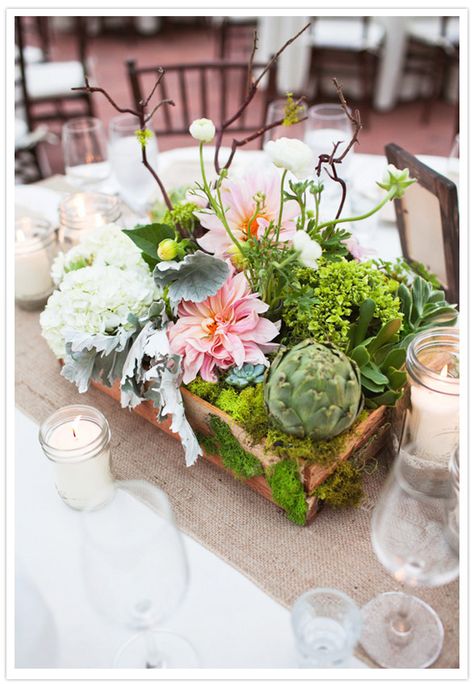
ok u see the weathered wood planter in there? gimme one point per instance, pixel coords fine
(367, 438)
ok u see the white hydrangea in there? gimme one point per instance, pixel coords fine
(96, 299)
(106, 245)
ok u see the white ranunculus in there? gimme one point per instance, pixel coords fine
(309, 250)
(291, 154)
(96, 299)
(202, 130)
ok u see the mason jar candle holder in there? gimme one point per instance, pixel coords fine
(76, 439)
(430, 432)
(81, 212)
(36, 245)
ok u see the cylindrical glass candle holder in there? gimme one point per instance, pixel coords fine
(76, 439)
(36, 245)
(431, 422)
(81, 212)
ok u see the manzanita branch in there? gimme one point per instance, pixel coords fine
(332, 159)
(143, 119)
(252, 89)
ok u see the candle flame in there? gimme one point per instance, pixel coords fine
(444, 371)
(75, 425)
(80, 205)
(20, 236)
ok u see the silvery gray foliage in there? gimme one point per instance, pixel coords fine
(195, 278)
(151, 371)
(96, 356)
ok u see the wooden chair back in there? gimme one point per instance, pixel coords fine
(209, 89)
(428, 220)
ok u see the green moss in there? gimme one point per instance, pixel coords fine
(287, 490)
(339, 289)
(243, 464)
(208, 443)
(343, 487)
(322, 452)
(209, 391)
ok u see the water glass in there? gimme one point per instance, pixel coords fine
(326, 624)
(275, 112)
(326, 125)
(136, 183)
(85, 151)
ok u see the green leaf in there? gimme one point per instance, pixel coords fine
(366, 313)
(388, 398)
(370, 386)
(396, 378)
(372, 373)
(386, 334)
(406, 302)
(195, 278)
(394, 359)
(147, 238)
(361, 356)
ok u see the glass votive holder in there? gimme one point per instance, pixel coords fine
(76, 439)
(36, 245)
(81, 212)
(326, 625)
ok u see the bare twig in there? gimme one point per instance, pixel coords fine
(250, 95)
(332, 159)
(143, 118)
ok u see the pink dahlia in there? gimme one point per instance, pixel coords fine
(223, 331)
(238, 198)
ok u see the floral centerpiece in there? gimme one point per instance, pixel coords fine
(253, 325)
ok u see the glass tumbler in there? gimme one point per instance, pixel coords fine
(85, 151)
(326, 624)
(275, 112)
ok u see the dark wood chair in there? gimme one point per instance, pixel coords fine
(428, 220)
(209, 89)
(46, 85)
(430, 52)
(235, 37)
(344, 48)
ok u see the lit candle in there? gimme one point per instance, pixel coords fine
(76, 439)
(434, 420)
(81, 212)
(35, 249)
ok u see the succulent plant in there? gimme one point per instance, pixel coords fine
(423, 307)
(248, 374)
(313, 390)
(380, 358)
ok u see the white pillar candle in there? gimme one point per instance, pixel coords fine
(434, 420)
(76, 439)
(35, 248)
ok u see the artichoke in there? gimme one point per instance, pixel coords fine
(313, 390)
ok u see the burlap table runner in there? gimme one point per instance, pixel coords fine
(225, 516)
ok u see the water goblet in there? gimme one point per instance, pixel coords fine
(136, 572)
(414, 540)
(135, 181)
(276, 112)
(85, 151)
(326, 624)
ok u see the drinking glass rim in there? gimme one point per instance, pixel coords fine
(79, 124)
(122, 122)
(316, 110)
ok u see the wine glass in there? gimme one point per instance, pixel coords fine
(326, 624)
(326, 125)
(85, 151)
(136, 572)
(135, 181)
(415, 538)
(275, 112)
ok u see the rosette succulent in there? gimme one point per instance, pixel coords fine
(248, 374)
(313, 390)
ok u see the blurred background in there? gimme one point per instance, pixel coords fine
(401, 72)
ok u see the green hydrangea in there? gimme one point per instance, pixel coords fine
(339, 289)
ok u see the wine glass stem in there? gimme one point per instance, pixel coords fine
(154, 659)
(400, 625)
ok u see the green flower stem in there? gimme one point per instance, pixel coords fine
(219, 210)
(282, 186)
(389, 196)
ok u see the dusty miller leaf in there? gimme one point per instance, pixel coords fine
(195, 278)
